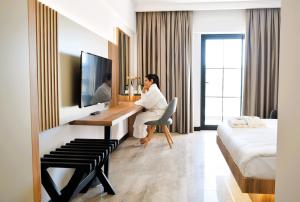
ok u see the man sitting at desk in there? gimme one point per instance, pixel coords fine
(103, 92)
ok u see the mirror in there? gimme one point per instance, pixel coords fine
(123, 41)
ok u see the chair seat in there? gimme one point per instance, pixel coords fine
(164, 121)
(159, 122)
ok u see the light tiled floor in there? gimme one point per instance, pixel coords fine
(194, 170)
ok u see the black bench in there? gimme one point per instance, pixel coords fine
(87, 157)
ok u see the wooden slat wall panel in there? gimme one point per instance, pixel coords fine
(113, 54)
(47, 58)
(127, 53)
(46, 67)
(35, 127)
(55, 69)
(122, 81)
(38, 47)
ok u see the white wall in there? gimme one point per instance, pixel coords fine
(288, 150)
(72, 39)
(211, 22)
(125, 13)
(100, 16)
(15, 129)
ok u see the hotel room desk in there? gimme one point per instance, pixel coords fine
(111, 117)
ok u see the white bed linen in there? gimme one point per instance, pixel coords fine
(252, 149)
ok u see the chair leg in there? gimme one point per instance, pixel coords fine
(165, 130)
(151, 131)
(148, 129)
(167, 133)
(170, 136)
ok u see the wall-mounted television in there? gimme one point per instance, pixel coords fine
(95, 79)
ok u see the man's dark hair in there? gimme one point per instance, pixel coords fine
(154, 78)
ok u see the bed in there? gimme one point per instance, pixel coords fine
(251, 155)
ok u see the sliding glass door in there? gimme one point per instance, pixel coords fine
(221, 78)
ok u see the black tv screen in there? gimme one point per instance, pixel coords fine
(95, 79)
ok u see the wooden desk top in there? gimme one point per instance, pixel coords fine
(111, 116)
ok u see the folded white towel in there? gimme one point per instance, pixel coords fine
(247, 122)
(255, 122)
(238, 123)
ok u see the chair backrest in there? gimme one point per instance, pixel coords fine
(170, 110)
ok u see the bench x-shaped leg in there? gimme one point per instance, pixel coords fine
(74, 186)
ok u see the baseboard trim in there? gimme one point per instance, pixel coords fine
(123, 138)
(205, 128)
(197, 128)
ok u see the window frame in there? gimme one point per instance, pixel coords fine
(204, 38)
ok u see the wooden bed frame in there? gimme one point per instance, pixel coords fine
(247, 184)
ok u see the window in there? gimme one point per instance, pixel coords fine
(221, 78)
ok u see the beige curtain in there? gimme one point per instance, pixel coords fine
(165, 48)
(262, 62)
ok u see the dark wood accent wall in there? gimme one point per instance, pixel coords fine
(47, 66)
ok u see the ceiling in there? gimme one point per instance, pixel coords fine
(195, 1)
(166, 5)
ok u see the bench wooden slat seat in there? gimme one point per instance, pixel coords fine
(116, 142)
(97, 151)
(87, 157)
(91, 147)
(113, 145)
(78, 153)
(96, 141)
(83, 166)
(63, 156)
(93, 162)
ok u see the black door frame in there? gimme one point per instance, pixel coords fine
(205, 37)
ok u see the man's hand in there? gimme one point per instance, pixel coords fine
(145, 89)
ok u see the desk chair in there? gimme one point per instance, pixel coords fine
(164, 122)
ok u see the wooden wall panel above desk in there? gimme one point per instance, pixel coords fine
(113, 55)
(110, 117)
(127, 98)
